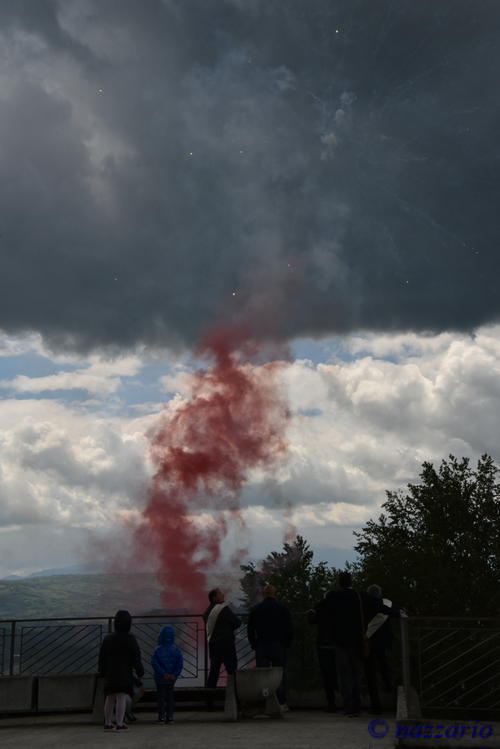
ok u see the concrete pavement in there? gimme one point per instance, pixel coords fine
(299, 729)
(198, 730)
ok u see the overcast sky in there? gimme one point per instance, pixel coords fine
(326, 173)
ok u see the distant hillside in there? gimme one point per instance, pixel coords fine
(78, 595)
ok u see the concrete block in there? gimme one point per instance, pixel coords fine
(66, 692)
(253, 691)
(16, 693)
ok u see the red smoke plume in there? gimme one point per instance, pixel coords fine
(234, 420)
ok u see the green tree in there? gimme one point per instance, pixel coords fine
(436, 548)
(300, 583)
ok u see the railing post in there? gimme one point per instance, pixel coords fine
(405, 657)
(12, 645)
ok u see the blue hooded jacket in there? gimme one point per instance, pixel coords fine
(167, 658)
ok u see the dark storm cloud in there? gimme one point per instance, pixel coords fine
(329, 166)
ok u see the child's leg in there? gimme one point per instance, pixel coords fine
(109, 706)
(160, 691)
(121, 704)
(170, 702)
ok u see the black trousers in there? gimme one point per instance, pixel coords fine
(272, 654)
(221, 653)
(349, 672)
(377, 663)
(328, 668)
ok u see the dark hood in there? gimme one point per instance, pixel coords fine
(123, 621)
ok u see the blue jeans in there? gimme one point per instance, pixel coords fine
(165, 694)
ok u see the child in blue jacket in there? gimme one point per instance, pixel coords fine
(167, 664)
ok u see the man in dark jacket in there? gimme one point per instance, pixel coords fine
(221, 623)
(270, 634)
(119, 657)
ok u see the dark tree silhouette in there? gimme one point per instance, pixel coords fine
(436, 548)
(299, 581)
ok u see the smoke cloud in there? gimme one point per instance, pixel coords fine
(170, 166)
(234, 421)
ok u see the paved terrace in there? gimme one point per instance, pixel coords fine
(196, 730)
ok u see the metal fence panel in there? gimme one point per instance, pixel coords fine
(59, 649)
(456, 664)
(64, 646)
(189, 638)
(245, 654)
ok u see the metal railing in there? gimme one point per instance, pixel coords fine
(71, 646)
(453, 663)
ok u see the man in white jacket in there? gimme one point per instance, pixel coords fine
(221, 623)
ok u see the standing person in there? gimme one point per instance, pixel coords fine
(119, 657)
(325, 649)
(379, 635)
(270, 633)
(167, 664)
(221, 624)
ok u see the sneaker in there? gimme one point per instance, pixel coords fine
(124, 727)
(108, 728)
(284, 708)
(160, 719)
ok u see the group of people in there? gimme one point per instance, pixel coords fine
(121, 667)
(269, 631)
(353, 634)
(352, 628)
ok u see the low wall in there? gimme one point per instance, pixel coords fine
(17, 694)
(72, 693)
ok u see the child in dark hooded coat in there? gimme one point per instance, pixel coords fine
(119, 657)
(167, 663)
